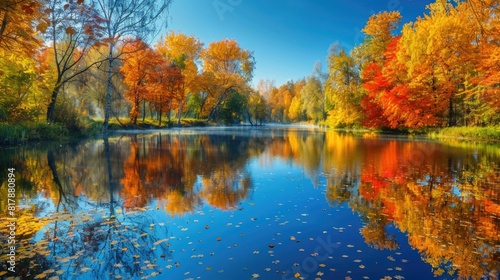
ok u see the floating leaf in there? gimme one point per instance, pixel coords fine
(40, 276)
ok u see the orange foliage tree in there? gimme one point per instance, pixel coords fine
(390, 101)
(226, 67)
(138, 61)
(184, 52)
(150, 78)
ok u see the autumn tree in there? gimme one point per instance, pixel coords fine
(438, 51)
(226, 67)
(342, 90)
(165, 83)
(122, 19)
(312, 98)
(265, 87)
(21, 85)
(256, 108)
(296, 111)
(184, 52)
(71, 30)
(281, 99)
(391, 102)
(20, 72)
(379, 31)
(138, 64)
(482, 90)
(18, 25)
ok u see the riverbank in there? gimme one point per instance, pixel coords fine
(482, 134)
(17, 134)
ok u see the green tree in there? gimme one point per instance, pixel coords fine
(343, 89)
(312, 99)
(256, 108)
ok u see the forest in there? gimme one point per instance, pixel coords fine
(73, 65)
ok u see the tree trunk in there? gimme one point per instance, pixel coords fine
(108, 89)
(450, 113)
(168, 110)
(160, 113)
(109, 169)
(179, 114)
(52, 105)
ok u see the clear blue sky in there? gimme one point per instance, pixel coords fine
(286, 36)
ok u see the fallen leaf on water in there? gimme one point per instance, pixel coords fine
(41, 275)
(296, 275)
(271, 245)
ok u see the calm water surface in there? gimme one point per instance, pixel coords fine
(249, 203)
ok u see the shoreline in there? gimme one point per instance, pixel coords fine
(18, 135)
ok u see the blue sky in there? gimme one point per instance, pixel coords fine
(286, 36)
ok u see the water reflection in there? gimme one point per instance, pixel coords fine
(84, 205)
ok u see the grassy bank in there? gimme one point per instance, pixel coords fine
(148, 123)
(16, 134)
(490, 134)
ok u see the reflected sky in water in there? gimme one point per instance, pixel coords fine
(265, 203)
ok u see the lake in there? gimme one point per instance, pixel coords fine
(251, 203)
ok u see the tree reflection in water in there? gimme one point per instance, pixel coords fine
(86, 203)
